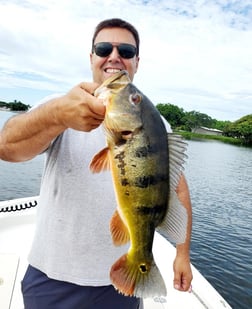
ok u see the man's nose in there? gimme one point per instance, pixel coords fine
(114, 54)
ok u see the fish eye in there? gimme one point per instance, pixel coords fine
(135, 98)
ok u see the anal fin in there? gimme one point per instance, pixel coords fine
(119, 231)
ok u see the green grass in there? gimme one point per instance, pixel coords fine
(224, 139)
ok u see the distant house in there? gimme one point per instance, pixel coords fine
(208, 131)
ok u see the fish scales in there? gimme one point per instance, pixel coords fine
(137, 154)
(147, 176)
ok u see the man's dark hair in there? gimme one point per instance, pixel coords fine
(117, 23)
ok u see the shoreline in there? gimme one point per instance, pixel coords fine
(3, 109)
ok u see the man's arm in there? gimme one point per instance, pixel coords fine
(182, 268)
(26, 135)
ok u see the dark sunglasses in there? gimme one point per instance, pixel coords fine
(104, 49)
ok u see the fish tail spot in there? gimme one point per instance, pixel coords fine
(134, 278)
(143, 268)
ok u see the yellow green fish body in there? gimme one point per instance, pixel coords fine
(138, 155)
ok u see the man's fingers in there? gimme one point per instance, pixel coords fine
(96, 105)
(182, 285)
(89, 87)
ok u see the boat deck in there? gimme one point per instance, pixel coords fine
(16, 233)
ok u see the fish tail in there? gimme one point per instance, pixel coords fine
(139, 279)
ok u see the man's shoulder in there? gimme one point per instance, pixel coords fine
(46, 99)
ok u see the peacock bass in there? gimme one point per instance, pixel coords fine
(146, 166)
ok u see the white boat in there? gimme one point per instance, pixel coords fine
(17, 222)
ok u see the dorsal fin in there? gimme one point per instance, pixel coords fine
(177, 156)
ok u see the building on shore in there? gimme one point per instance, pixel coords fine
(207, 131)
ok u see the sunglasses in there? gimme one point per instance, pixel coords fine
(104, 49)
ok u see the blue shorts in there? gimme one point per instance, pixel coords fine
(41, 292)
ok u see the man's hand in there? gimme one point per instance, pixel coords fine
(26, 135)
(182, 273)
(181, 266)
(79, 109)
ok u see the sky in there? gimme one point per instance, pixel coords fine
(195, 54)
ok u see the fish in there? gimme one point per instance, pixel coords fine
(146, 164)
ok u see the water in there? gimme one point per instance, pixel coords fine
(19, 179)
(220, 179)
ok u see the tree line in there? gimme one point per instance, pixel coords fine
(14, 106)
(180, 120)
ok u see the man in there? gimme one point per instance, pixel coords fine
(72, 250)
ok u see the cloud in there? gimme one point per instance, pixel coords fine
(195, 54)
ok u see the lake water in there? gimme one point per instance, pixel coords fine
(19, 179)
(220, 180)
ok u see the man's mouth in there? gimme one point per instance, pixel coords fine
(112, 71)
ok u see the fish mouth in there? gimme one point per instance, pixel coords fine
(122, 75)
(115, 76)
(111, 84)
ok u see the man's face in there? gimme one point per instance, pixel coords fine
(104, 67)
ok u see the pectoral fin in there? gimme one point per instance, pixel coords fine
(100, 161)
